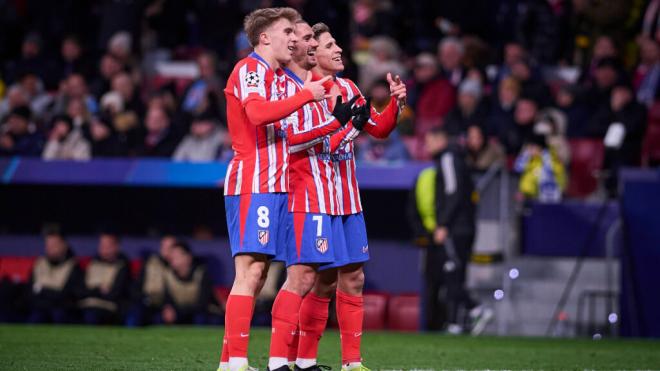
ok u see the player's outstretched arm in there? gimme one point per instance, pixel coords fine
(383, 123)
(300, 139)
(262, 112)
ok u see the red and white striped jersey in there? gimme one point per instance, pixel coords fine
(379, 125)
(311, 170)
(260, 152)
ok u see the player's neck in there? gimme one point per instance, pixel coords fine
(320, 71)
(298, 70)
(265, 53)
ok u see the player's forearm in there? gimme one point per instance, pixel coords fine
(262, 112)
(301, 140)
(385, 122)
(340, 138)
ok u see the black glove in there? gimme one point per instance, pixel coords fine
(362, 114)
(343, 111)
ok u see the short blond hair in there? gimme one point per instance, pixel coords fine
(320, 28)
(259, 20)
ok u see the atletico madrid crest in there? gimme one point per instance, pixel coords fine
(322, 244)
(262, 234)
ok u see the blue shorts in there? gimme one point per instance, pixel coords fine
(257, 223)
(314, 238)
(356, 246)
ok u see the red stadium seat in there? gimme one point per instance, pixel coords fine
(651, 144)
(16, 269)
(586, 159)
(403, 313)
(375, 308)
(180, 83)
(83, 262)
(135, 267)
(222, 294)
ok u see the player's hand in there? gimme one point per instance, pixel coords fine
(316, 87)
(344, 111)
(362, 114)
(397, 88)
(440, 235)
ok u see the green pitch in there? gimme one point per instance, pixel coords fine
(188, 348)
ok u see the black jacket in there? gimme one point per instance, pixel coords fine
(454, 190)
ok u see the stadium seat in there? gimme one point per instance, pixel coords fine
(375, 308)
(651, 144)
(83, 262)
(586, 159)
(136, 267)
(403, 312)
(16, 269)
(180, 83)
(222, 294)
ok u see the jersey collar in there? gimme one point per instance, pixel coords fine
(259, 58)
(294, 76)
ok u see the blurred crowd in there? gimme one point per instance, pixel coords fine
(511, 81)
(168, 287)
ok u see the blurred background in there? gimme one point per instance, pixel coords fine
(114, 146)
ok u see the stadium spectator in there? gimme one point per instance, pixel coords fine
(106, 283)
(109, 66)
(538, 30)
(622, 125)
(430, 94)
(120, 46)
(17, 96)
(604, 48)
(531, 82)
(205, 93)
(74, 87)
(383, 58)
(64, 143)
(647, 74)
(161, 137)
(103, 138)
(453, 234)
(189, 294)
(55, 282)
(207, 141)
(31, 60)
(123, 84)
(570, 101)
(651, 20)
(482, 153)
(517, 132)
(72, 60)
(148, 293)
(40, 100)
(375, 150)
(551, 123)
(470, 110)
(502, 106)
(542, 175)
(18, 136)
(513, 52)
(608, 74)
(450, 55)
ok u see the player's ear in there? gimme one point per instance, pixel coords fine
(264, 38)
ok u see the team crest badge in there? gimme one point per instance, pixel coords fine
(322, 245)
(263, 237)
(252, 79)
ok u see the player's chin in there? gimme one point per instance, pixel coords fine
(339, 66)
